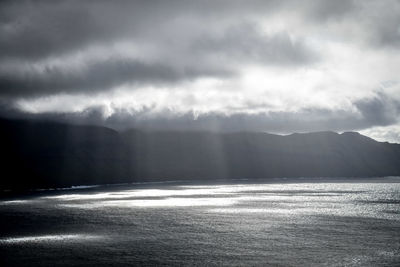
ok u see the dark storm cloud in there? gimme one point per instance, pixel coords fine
(387, 31)
(327, 10)
(32, 32)
(241, 43)
(380, 110)
(36, 29)
(95, 77)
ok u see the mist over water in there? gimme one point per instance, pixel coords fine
(312, 223)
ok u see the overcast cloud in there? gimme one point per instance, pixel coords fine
(275, 66)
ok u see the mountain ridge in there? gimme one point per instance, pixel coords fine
(39, 154)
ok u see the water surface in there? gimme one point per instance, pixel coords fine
(279, 223)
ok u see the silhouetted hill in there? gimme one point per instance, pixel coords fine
(46, 154)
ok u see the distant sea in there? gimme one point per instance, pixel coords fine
(292, 222)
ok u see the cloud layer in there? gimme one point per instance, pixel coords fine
(277, 66)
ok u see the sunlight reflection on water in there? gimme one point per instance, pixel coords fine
(167, 202)
(341, 199)
(48, 238)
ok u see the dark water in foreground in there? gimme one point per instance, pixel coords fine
(316, 223)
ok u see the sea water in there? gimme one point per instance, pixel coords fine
(309, 222)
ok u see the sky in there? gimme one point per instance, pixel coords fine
(278, 66)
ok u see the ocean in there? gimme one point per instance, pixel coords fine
(281, 222)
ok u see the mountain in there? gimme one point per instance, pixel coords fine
(38, 154)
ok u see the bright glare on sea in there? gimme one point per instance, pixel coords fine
(278, 223)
